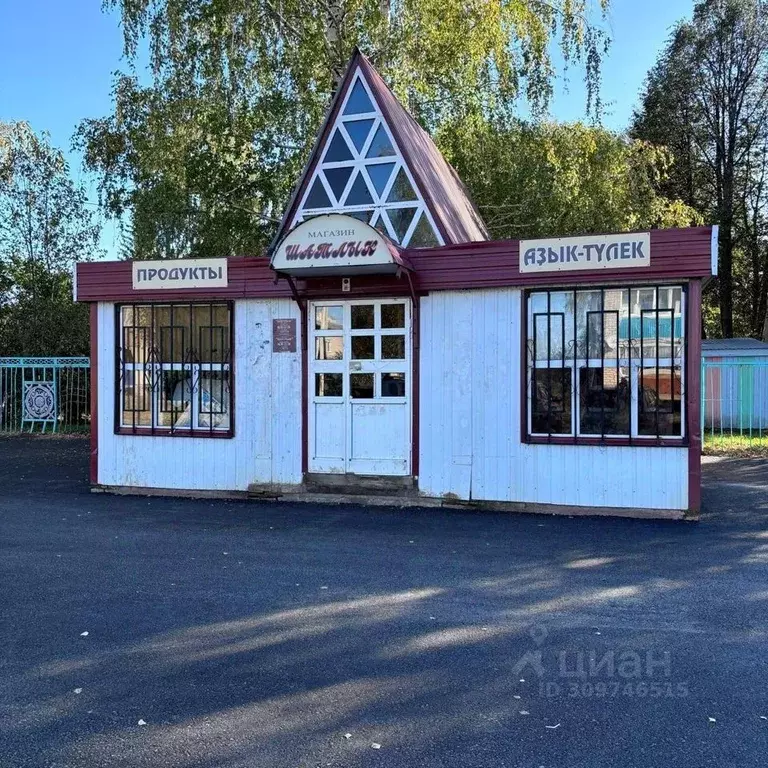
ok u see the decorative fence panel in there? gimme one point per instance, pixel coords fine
(734, 402)
(45, 394)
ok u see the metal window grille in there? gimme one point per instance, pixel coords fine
(605, 362)
(174, 368)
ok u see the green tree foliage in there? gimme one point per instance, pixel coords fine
(204, 157)
(544, 179)
(707, 100)
(45, 227)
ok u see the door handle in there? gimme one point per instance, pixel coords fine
(355, 366)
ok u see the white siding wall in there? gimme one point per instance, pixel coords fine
(266, 447)
(470, 421)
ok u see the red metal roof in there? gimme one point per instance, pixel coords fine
(444, 194)
(677, 254)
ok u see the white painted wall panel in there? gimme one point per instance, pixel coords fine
(266, 447)
(470, 421)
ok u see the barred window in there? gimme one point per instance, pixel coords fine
(606, 362)
(174, 368)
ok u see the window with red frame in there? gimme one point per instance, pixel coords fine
(605, 362)
(174, 368)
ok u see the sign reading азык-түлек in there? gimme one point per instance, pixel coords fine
(181, 273)
(568, 254)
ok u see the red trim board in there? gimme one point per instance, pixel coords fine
(677, 254)
(693, 396)
(94, 380)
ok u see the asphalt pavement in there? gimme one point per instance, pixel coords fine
(178, 633)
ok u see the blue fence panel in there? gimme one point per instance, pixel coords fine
(734, 398)
(44, 394)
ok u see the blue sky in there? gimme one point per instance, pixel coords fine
(57, 59)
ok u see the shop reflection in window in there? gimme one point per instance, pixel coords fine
(175, 372)
(606, 362)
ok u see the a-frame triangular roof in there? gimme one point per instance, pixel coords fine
(372, 160)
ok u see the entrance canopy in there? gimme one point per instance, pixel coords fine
(336, 244)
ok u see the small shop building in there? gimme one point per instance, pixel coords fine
(386, 345)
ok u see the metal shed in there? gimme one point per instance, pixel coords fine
(734, 387)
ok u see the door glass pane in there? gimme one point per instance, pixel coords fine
(361, 385)
(362, 348)
(393, 385)
(328, 384)
(393, 316)
(362, 315)
(393, 347)
(329, 348)
(329, 318)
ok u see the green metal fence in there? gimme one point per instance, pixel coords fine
(734, 403)
(44, 394)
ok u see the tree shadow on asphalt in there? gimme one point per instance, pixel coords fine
(241, 630)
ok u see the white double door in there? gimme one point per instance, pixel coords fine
(360, 387)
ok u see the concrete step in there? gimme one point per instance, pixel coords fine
(360, 485)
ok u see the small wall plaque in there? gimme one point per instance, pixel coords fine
(284, 335)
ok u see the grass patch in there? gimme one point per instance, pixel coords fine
(726, 444)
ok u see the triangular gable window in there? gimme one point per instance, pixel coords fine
(359, 194)
(358, 131)
(363, 173)
(358, 101)
(364, 216)
(317, 197)
(402, 190)
(337, 151)
(379, 174)
(337, 179)
(423, 235)
(401, 219)
(381, 146)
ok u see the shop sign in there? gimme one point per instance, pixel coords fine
(568, 254)
(283, 335)
(333, 244)
(179, 274)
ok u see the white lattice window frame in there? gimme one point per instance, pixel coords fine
(358, 163)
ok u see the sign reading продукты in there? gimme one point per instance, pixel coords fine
(568, 254)
(180, 274)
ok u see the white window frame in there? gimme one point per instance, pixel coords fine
(196, 371)
(634, 364)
